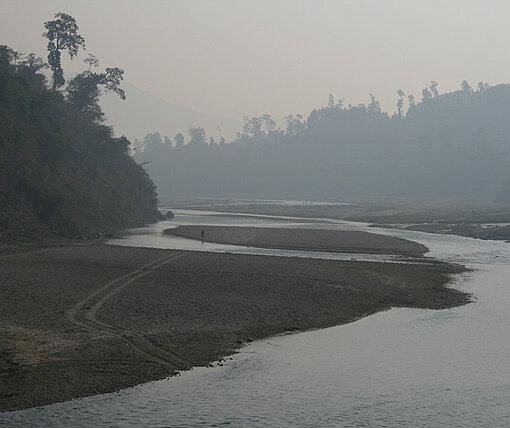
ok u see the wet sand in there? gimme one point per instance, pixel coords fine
(78, 320)
(343, 241)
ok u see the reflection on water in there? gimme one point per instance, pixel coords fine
(403, 367)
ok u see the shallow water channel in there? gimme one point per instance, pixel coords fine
(403, 367)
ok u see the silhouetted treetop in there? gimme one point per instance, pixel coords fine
(62, 35)
(84, 90)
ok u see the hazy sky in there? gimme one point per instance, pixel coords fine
(247, 57)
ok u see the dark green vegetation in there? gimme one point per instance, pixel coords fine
(61, 171)
(454, 145)
(68, 330)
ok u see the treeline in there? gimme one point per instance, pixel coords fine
(451, 145)
(61, 170)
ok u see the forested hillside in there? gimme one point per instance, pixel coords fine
(61, 171)
(454, 145)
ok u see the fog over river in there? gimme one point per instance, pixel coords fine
(400, 367)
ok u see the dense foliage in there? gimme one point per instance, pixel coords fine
(451, 145)
(61, 171)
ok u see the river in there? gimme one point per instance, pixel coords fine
(402, 367)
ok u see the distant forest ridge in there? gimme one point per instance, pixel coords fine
(454, 145)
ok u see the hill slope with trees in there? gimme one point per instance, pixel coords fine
(61, 170)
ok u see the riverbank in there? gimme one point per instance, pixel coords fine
(475, 219)
(80, 320)
(342, 241)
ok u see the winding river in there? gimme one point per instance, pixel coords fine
(403, 367)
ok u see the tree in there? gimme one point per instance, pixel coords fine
(197, 135)
(62, 34)
(32, 63)
(84, 91)
(253, 126)
(27, 66)
(400, 102)
(374, 106)
(483, 86)
(426, 94)
(410, 100)
(300, 123)
(156, 138)
(331, 101)
(466, 87)
(179, 140)
(269, 122)
(295, 124)
(91, 61)
(433, 88)
(291, 124)
(136, 146)
(6, 55)
(152, 139)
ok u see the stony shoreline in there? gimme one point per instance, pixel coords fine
(346, 241)
(79, 320)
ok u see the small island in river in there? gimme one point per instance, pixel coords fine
(344, 241)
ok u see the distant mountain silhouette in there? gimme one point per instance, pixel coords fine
(142, 113)
(454, 145)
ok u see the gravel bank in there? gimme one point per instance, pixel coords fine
(344, 241)
(89, 319)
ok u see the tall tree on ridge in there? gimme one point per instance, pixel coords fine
(62, 34)
(400, 102)
(433, 88)
(269, 122)
(374, 106)
(84, 92)
(197, 134)
(179, 140)
(331, 102)
(412, 103)
(426, 94)
(466, 87)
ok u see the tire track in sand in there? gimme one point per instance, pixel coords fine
(83, 314)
